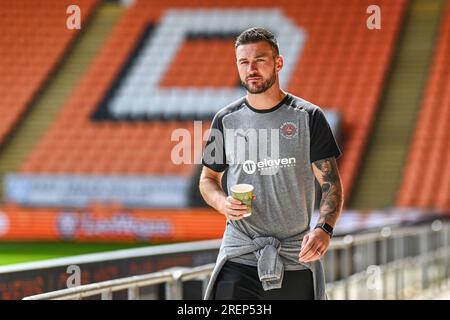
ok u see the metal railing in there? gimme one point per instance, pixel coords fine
(401, 279)
(390, 264)
(173, 279)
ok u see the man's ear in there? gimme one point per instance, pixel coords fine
(279, 63)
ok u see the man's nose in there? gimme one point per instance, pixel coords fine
(251, 67)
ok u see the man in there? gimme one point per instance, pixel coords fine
(271, 254)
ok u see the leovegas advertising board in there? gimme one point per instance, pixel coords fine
(103, 224)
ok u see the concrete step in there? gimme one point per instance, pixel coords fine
(381, 172)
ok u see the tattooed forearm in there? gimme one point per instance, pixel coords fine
(327, 174)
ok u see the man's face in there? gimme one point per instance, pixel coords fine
(258, 66)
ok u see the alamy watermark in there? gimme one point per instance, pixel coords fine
(374, 279)
(74, 20)
(74, 279)
(255, 149)
(374, 20)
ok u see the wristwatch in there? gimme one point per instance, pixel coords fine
(325, 227)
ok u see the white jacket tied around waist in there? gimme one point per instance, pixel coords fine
(268, 252)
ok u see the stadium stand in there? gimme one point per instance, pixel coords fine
(426, 176)
(332, 55)
(30, 51)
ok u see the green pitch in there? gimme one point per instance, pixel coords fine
(18, 252)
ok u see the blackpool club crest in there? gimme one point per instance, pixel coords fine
(289, 130)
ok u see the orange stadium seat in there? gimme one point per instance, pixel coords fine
(30, 50)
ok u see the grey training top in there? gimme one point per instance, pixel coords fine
(272, 150)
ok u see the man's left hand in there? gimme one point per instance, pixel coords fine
(314, 245)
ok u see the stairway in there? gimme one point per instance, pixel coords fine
(382, 168)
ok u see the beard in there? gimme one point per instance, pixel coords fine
(259, 88)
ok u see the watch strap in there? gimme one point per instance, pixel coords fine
(325, 227)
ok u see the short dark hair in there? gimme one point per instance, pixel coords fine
(253, 35)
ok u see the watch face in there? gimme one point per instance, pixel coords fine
(328, 228)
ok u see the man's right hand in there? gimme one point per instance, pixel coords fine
(233, 209)
(211, 190)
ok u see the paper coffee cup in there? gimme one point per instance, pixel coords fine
(244, 193)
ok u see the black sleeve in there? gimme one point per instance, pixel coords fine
(323, 144)
(214, 153)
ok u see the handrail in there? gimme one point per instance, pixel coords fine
(165, 276)
(174, 277)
